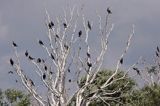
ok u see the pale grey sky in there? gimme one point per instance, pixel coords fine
(23, 22)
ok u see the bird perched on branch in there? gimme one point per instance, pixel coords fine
(66, 46)
(69, 80)
(14, 44)
(50, 25)
(11, 62)
(31, 58)
(45, 67)
(44, 76)
(158, 49)
(40, 42)
(57, 36)
(121, 60)
(31, 83)
(79, 33)
(26, 53)
(89, 26)
(89, 64)
(52, 56)
(38, 60)
(69, 70)
(109, 11)
(157, 54)
(137, 70)
(88, 55)
(10, 72)
(65, 25)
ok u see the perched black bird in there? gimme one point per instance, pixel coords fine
(158, 49)
(51, 72)
(121, 60)
(52, 56)
(137, 70)
(69, 80)
(44, 76)
(10, 72)
(65, 25)
(89, 64)
(88, 55)
(50, 25)
(45, 67)
(79, 33)
(43, 60)
(157, 54)
(66, 46)
(26, 53)
(57, 36)
(40, 42)
(39, 60)
(31, 58)
(109, 11)
(31, 82)
(69, 70)
(89, 25)
(11, 62)
(16, 81)
(14, 44)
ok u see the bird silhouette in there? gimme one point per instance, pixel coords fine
(66, 46)
(52, 56)
(38, 60)
(89, 64)
(79, 33)
(31, 82)
(89, 26)
(50, 25)
(26, 53)
(44, 76)
(45, 67)
(69, 80)
(51, 72)
(10, 72)
(31, 58)
(121, 60)
(40, 42)
(158, 49)
(65, 25)
(69, 70)
(11, 62)
(109, 11)
(57, 36)
(157, 54)
(88, 55)
(137, 70)
(14, 44)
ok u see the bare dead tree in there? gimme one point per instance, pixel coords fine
(70, 52)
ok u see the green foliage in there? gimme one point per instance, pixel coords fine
(147, 96)
(100, 79)
(14, 97)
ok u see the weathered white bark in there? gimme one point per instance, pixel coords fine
(61, 46)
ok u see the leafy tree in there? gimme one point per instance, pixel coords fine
(14, 97)
(122, 89)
